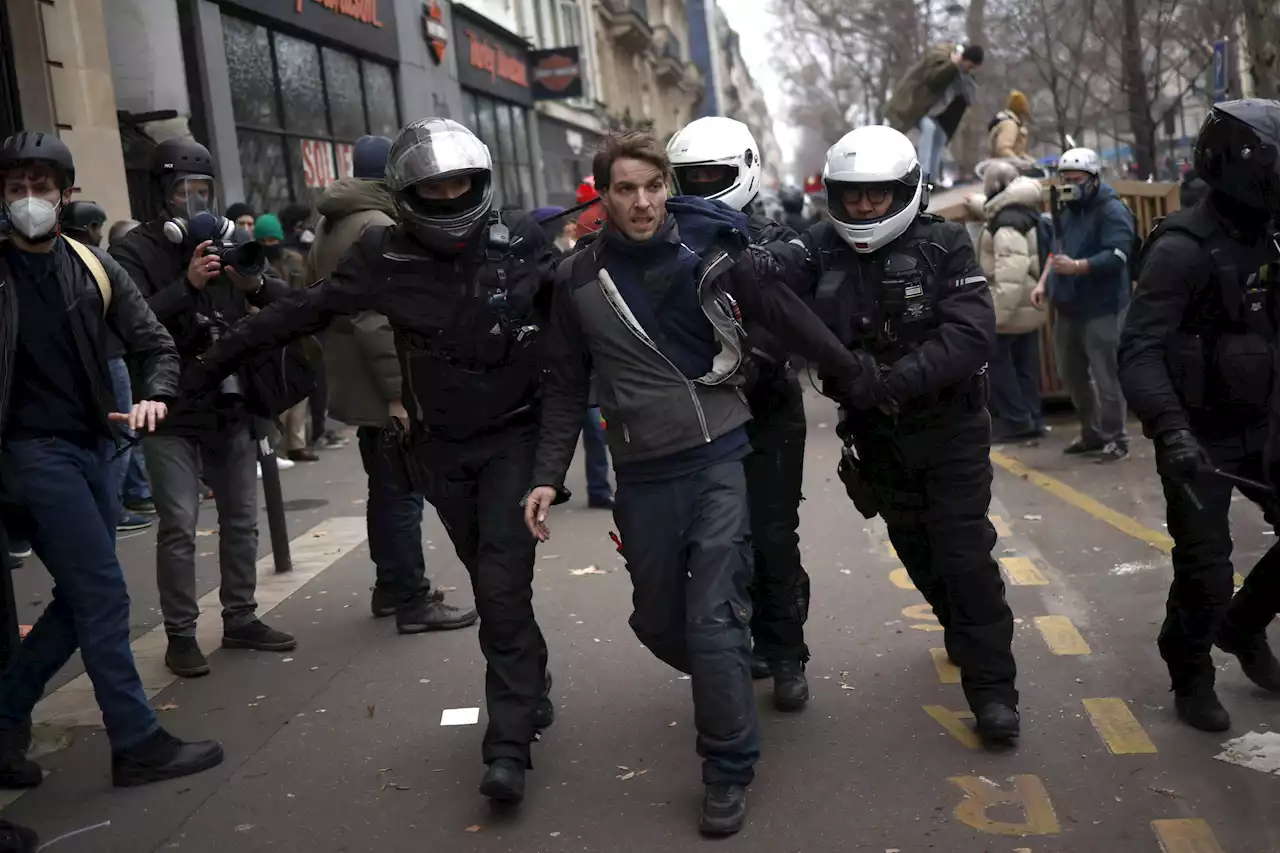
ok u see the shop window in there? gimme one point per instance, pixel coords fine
(299, 109)
(252, 78)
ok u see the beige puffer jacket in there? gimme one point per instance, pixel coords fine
(1010, 256)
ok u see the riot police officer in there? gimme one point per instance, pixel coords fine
(904, 291)
(1196, 363)
(461, 284)
(718, 158)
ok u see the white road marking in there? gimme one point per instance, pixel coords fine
(459, 716)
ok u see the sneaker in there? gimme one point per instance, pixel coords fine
(257, 635)
(284, 464)
(331, 441)
(724, 809)
(385, 601)
(17, 839)
(163, 756)
(306, 454)
(1112, 451)
(1079, 446)
(184, 658)
(141, 506)
(130, 521)
(430, 613)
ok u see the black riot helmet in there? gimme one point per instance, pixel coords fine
(83, 221)
(432, 154)
(183, 172)
(792, 199)
(45, 148)
(1238, 152)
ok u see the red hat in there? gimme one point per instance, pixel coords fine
(592, 217)
(587, 189)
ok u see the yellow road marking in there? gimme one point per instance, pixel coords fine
(953, 723)
(948, 673)
(1001, 526)
(1023, 572)
(924, 613)
(1118, 727)
(1062, 636)
(893, 552)
(982, 795)
(1185, 836)
(901, 579)
(1081, 501)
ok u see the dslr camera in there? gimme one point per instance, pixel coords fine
(249, 257)
(229, 388)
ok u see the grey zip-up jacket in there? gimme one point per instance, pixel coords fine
(651, 409)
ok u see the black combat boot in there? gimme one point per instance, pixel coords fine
(998, 724)
(1198, 706)
(17, 839)
(760, 668)
(503, 782)
(16, 770)
(790, 687)
(162, 756)
(428, 612)
(724, 809)
(384, 602)
(1255, 657)
(545, 715)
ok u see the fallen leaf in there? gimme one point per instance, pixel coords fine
(475, 827)
(1033, 518)
(370, 709)
(213, 532)
(671, 725)
(447, 588)
(169, 707)
(244, 827)
(319, 535)
(1164, 792)
(589, 570)
(630, 774)
(286, 660)
(555, 835)
(550, 556)
(845, 572)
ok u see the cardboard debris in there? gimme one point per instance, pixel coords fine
(1255, 750)
(589, 570)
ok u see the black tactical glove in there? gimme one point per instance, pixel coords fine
(1180, 458)
(868, 390)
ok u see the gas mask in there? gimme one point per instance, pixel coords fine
(34, 218)
(188, 198)
(203, 226)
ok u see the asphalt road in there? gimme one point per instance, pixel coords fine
(339, 746)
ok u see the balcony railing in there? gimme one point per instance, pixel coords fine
(628, 23)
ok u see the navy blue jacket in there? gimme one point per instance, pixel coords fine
(1101, 231)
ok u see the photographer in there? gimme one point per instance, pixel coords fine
(195, 295)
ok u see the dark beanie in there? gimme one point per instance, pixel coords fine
(237, 210)
(370, 158)
(974, 53)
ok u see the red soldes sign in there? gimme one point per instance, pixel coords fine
(324, 162)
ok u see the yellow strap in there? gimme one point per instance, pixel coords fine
(96, 269)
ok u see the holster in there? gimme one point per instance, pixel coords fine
(406, 457)
(859, 490)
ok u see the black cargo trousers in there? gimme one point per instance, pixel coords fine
(477, 486)
(775, 474)
(1200, 603)
(931, 477)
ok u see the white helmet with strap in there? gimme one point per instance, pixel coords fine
(874, 159)
(715, 141)
(1080, 160)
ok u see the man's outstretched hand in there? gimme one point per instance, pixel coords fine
(536, 507)
(147, 414)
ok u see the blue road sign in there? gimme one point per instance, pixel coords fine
(1221, 77)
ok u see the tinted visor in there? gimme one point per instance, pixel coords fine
(439, 154)
(448, 208)
(191, 194)
(706, 180)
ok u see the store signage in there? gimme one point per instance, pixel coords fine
(490, 59)
(364, 11)
(557, 73)
(434, 30)
(323, 162)
(368, 26)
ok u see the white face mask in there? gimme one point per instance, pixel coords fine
(33, 217)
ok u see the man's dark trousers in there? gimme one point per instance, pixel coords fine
(775, 474)
(73, 499)
(1200, 595)
(394, 518)
(686, 542)
(933, 482)
(477, 488)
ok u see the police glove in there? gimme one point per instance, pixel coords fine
(1179, 457)
(868, 390)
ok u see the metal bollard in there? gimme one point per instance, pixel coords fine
(274, 498)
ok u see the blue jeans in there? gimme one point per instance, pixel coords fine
(687, 543)
(932, 145)
(394, 519)
(71, 496)
(128, 472)
(1015, 383)
(593, 448)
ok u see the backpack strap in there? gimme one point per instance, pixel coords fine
(96, 269)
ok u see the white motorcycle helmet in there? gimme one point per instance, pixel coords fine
(715, 141)
(882, 161)
(1082, 160)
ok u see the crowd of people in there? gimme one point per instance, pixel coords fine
(470, 347)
